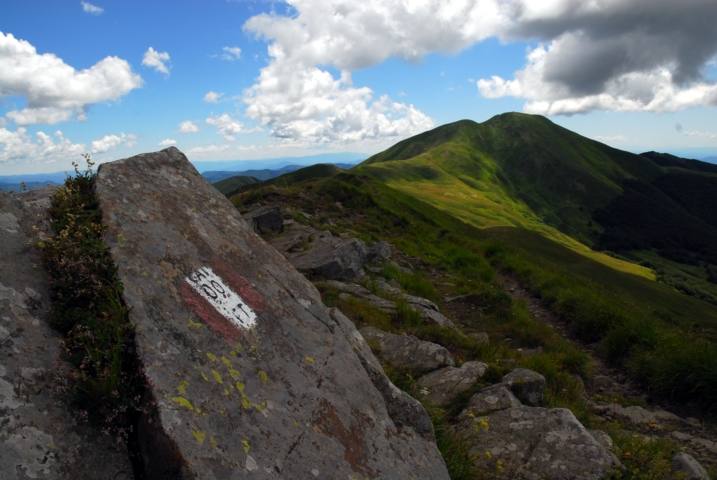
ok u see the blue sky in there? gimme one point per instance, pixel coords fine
(342, 76)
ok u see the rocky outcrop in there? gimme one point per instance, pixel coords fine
(266, 220)
(511, 441)
(640, 417)
(425, 308)
(443, 386)
(491, 399)
(322, 255)
(40, 436)
(253, 377)
(527, 385)
(406, 352)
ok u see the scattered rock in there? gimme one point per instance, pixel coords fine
(491, 399)
(638, 416)
(40, 435)
(427, 309)
(331, 257)
(527, 385)
(406, 352)
(266, 220)
(379, 251)
(686, 467)
(534, 443)
(443, 386)
(252, 375)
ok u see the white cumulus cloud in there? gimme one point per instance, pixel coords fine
(112, 141)
(299, 99)
(188, 126)
(647, 55)
(212, 97)
(156, 60)
(87, 7)
(167, 142)
(53, 90)
(19, 146)
(226, 125)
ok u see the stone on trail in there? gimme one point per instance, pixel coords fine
(39, 435)
(266, 220)
(406, 352)
(527, 385)
(491, 399)
(445, 385)
(534, 443)
(253, 377)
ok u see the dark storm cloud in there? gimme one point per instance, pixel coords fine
(601, 40)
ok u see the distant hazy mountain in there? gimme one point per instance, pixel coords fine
(234, 184)
(214, 176)
(31, 181)
(276, 163)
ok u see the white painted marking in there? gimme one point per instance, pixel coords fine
(219, 295)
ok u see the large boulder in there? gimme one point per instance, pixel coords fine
(266, 220)
(252, 375)
(40, 436)
(445, 385)
(406, 352)
(530, 443)
(527, 385)
(322, 255)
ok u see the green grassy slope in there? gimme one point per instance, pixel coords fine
(524, 171)
(664, 338)
(231, 185)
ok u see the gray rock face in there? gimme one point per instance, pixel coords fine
(527, 385)
(379, 251)
(445, 385)
(321, 255)
(639, 417)
(39, 437)
(404, 409)
(252, 375)
(490, 399)
(686, 467)
(533, 443)
(427, 309)
(407, 352)
(266, 220)
(603, 438)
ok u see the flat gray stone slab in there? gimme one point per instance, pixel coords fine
(252, 375)
(39, 437)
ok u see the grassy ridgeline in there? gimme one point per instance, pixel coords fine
(664, 339)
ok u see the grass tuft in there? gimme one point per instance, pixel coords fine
(87, 306)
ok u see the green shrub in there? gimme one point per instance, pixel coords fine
(87, 306)
(406, 316)
(412, 282)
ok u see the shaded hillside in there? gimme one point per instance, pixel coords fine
(525, 171)
(233, 184)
